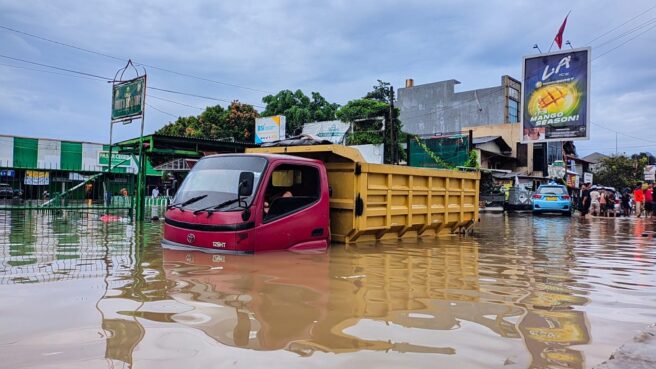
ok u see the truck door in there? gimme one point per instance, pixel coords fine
(294, 210)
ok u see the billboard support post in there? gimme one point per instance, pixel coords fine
(128, 102)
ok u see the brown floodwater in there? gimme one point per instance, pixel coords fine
(523, 292)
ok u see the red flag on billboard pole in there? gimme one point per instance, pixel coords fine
(559, 37)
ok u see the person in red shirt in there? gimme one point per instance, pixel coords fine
(649, 199)
(638, 199)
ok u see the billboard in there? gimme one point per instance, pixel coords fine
(650, 173)
(270, 129)
(332, 130)
(128, 99)
(556, 96)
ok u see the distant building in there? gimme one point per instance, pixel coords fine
(35, 166)
(437, 108)
(595, 160)
(492, 114)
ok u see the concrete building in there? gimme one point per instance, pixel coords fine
(437, 108)
(33, 166)
(492, 114)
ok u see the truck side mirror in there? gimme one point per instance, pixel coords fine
(246, 180)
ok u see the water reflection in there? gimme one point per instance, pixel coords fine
(518, 295)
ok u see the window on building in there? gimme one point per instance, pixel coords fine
(554, 152)
(513, 93)
(513, 111)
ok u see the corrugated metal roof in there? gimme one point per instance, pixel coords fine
(503, 145)
(484, 139)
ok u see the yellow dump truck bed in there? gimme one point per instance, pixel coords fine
(382, 201)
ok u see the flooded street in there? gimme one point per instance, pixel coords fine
(524, 292)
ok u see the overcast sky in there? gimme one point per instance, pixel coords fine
(337, 48)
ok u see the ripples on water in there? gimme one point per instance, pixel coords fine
(524, 292)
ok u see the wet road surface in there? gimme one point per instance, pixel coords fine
(524, 292)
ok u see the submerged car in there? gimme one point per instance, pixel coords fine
(552, 198)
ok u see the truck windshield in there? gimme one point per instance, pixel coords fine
(218, 178)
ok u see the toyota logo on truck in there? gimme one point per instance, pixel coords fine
(191, 238)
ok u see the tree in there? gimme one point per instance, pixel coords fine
(238, 122)
(299, 108)
(380, 92)
(621, 171)
(370, 124)
(371, 121)
(366, 118)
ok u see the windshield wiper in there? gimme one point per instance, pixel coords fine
(185, 203)
(210, 209)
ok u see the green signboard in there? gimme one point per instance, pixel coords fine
(128, 99)
(118, 160)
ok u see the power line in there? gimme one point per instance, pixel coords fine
(632, 30)
(622, 133)
(625, 147)
(47, 71)
(162, 111)
(107, 79)
(174, 102)
(53, 67)
(135, 62)
(613, 29)
(194, 95)
(627, 41)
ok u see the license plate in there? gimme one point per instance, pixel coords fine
(552, 198)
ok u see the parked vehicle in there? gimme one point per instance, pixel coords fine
(261, 200)
(552, 198)
(6, 192)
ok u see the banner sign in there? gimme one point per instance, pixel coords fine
(36, 178)
(270, 129)
(650, 173)
(556, 96)
(7, 173)
(573, 181)
(333, 130)
(557, 169)
(118, 160)
(128, 99)
(587, 177)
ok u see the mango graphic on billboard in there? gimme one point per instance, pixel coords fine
(556, 96)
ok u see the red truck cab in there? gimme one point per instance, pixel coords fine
(246, 203)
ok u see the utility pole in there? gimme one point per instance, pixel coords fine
(392, 142)
(615, 143)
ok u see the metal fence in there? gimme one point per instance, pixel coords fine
(32, 189)
(46, 244)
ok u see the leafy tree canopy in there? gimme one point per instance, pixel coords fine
(367, 118)
(237, 122)
(380, 92)
(371, 121)
(299, 108)
(621, 171)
